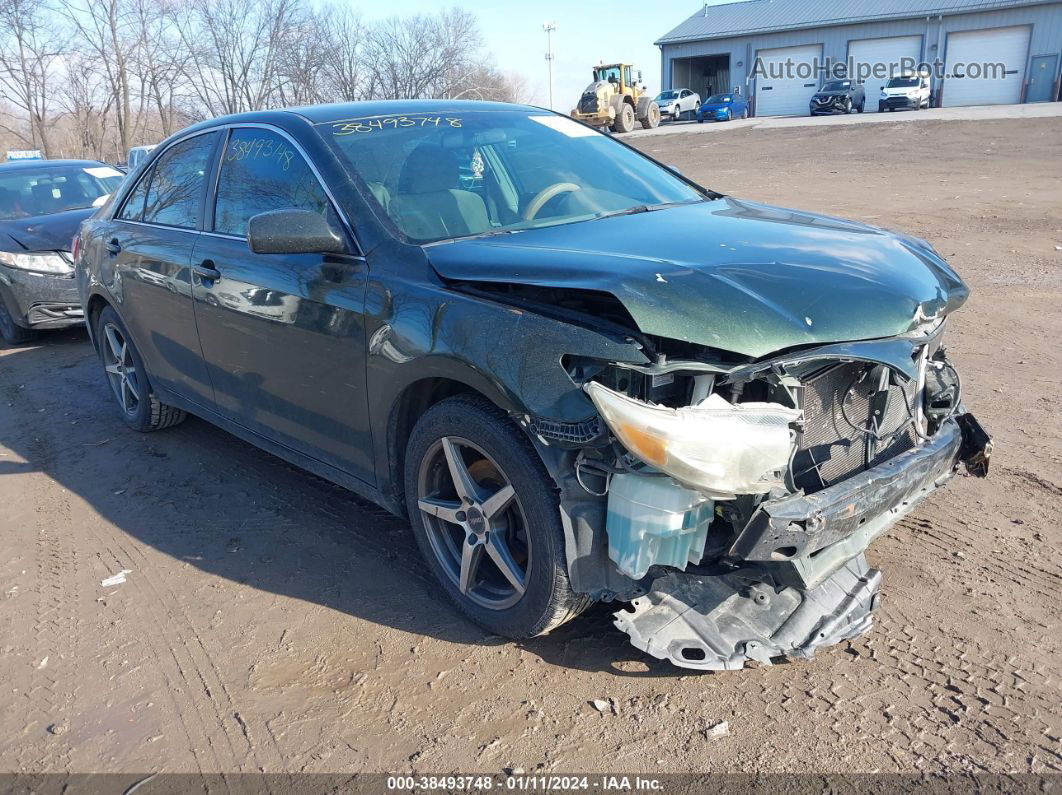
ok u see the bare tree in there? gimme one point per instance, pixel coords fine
(234, 50)
(108, 30)
(422, 55)
(301, 78)
(344, 54)
(138, 70)
(29, 53)
(159, 63)
(87, 105)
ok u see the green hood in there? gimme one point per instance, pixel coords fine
(737, 276)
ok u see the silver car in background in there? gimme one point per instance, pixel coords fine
(676, 102)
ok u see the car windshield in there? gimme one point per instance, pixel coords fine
(903, 82)
(717, 99)
(837, 85)
(667, 95)
(466, 173)
(26, 193)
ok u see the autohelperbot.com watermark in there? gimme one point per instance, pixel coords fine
(861, 71)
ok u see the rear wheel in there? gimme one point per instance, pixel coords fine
(128, 380)
(624, 119)
(11, 332)
(485, 515)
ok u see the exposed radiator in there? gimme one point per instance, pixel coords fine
(830, 449)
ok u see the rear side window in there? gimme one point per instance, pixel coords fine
(176, 190)
(261, 171)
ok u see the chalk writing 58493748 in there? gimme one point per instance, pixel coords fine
(368, 125)
(260, 148)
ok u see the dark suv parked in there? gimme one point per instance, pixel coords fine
(581, 376)
(839, 96)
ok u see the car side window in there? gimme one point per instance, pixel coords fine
(177, 181)
(261, 171)
(133, 209)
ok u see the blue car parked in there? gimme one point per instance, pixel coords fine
(723, 107)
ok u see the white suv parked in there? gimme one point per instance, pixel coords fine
(906, 91)
(676, 102)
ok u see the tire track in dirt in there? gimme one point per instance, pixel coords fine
(52, 632)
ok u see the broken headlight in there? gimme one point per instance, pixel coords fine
(718, 448)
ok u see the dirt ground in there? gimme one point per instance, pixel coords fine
(270, 621)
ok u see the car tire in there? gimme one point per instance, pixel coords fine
(847, 106)
(128, 380)
(859, 108)
(526, 531)
(745, 113)
(10, 331)
(729, 115)
(624, 119)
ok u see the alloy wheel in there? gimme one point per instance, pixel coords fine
(121, 371)
(475, 524)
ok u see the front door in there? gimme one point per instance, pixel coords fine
(283, 335)
(149, 245)
(1043, 76)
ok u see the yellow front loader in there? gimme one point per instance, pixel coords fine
(616, 100)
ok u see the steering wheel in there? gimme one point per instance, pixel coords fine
(536, 204)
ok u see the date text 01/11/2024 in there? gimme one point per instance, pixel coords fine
(525, 783)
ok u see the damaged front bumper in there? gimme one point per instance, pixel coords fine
(38, 300)
(800, 579)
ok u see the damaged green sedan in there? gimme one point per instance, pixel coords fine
(580, 375)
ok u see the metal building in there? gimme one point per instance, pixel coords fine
(979, 51)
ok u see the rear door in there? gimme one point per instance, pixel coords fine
(148, 245)
(283, 334)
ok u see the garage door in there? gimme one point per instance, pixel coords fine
(1009, 46)
(890, 52)
(782, 88)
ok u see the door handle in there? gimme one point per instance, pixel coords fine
(206, 271)
(114, 247)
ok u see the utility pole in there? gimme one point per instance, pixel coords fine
(549, 27)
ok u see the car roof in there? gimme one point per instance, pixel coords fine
(319, 114)
(13, 165)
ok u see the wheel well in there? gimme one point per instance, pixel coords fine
(415, 399)
(96, 303)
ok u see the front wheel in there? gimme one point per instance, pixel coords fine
(624, 122)
(745, 113)
(485, 515)
(847, 106)
(10, 331)
(859, 108)
(729, 116)
(128, 380)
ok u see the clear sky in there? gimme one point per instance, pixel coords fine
(588, 31)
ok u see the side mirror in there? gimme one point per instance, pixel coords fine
(292, 231)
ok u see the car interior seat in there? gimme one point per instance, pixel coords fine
(429, 204)
(44, 199)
